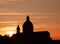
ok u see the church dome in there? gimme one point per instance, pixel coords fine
(27, 26)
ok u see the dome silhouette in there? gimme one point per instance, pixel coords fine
(27, 26)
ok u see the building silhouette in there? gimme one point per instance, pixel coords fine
(28, 36)
(27, 26)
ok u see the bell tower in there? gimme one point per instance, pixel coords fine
(18, 30)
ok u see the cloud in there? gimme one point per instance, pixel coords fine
(51, 6)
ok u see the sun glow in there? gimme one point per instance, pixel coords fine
(9, 34)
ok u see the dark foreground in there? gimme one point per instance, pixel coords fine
(32, 38)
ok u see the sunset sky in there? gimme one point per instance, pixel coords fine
(44, 14)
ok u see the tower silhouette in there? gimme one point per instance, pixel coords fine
(27, 26)
(18, 30)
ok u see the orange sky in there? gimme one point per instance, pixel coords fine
(45, 15)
